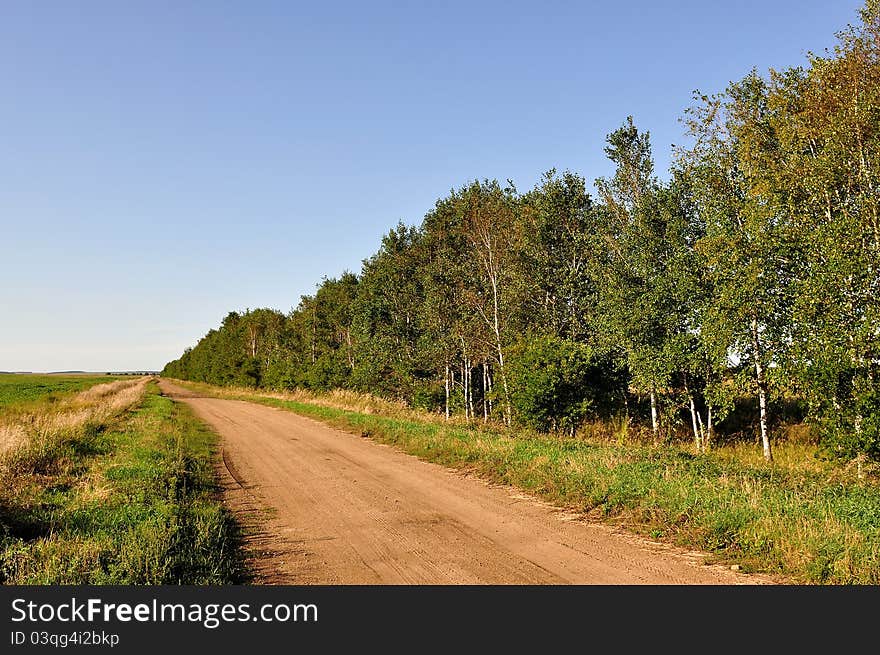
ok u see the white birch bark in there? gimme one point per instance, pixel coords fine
(470, 386)
(697, 436)
(655, 424)
(762, 390)
(446, 385)
(485, 393)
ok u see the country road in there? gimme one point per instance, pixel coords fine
(341, 509)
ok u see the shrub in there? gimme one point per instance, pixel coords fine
(558, 384)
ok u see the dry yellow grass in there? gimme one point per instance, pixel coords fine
(351, 401)
(11, 436)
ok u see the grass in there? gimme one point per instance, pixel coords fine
(18, 389)
(118, 489)
(801, 518)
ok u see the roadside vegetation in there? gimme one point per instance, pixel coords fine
(802, 517)
(111, 485)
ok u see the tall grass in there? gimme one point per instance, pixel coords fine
(346, 399)
(28, 430)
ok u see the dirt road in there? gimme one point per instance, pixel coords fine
(346, 510)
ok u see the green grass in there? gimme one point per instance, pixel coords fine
(792, 519)
(25, 389)
(131, 502)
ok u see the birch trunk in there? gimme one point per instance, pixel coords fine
(507, 409)
(655, 424)
(253, 339)
(490, 386)
(705, 428)
(464, 391)
(446, 385)
(470, 386)
(698, 441)
(762, 390)
(707, 438)
(702, 429)
(497, 328)
(485, 244)
(485, 393)
(350, 349)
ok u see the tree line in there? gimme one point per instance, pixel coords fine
(750, 278)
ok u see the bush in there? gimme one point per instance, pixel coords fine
(848, 418)
(558, 384)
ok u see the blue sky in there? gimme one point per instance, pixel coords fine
(162, 163)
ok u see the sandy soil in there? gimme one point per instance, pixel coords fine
(335, 508)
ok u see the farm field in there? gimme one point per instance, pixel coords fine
(17, 389)
(111, 485)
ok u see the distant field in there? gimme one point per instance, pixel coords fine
(18, 389)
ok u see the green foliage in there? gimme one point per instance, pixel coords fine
(554, 292)
(559, 384)
(786, 171)
(386, 317)
(850, 429)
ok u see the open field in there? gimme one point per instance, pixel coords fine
(18, 389)
(113, 485)
(799, 517)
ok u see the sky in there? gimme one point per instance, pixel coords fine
(164, 163)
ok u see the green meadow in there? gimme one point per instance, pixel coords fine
(16, 389)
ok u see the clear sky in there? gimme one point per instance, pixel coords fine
(163, 163)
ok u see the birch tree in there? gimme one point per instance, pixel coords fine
(386, 317)
(826, 169)
(637, 309)
(747, 249)
(488, 223)
(554, 292)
